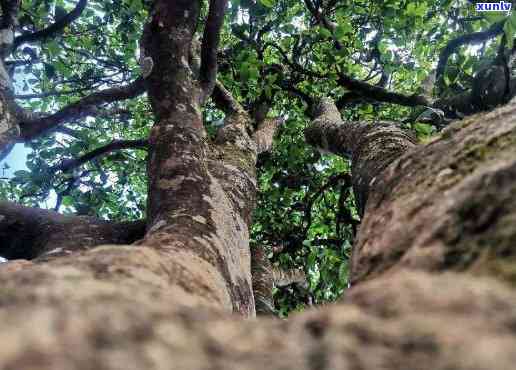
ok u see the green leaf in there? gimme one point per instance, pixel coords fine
(67, 201)
(495, 17)
(342, 30)
(508, 29)
(325, 33)
(268, 3)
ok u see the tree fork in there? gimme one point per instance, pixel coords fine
(467, 229)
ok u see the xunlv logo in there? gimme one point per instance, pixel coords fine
(493, 7)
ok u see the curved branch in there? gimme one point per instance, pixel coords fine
(115, 145)
(54, 28)
(86, 106)
(224, 100)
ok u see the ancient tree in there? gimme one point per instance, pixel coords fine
(432, 267)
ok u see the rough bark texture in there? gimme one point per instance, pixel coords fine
(200, 194)
(112, 308)
(371, 147)
(449, 204)
(266, 276)
(31, 232)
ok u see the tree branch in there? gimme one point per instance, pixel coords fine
(86, 106)
(115, 145)
(372, 147)
(9, 13)
(323, 21)
(264, 134)
(378, 93)
(224, 100)
(30, 232)
(210, 43)
(49, 93)
(366, 90)
(54, 28)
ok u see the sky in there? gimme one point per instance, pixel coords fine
(16, 160)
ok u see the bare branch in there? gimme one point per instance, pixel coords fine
(115, 145)
(210, 43)
(86, 106)
(54, 28)
(49, 93)
(224, 100)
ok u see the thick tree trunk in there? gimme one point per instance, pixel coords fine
(200, 194)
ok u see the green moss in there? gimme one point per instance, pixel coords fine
(471, 157)
(502, 269)
(244, 159)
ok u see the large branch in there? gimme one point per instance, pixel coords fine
(188, 172)
(84, 107)
(54, 28)
(32, 232)
(264, 134)
(115, 145)
(371, 146)
(210, 44)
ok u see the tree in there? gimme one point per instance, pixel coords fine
(432, 261)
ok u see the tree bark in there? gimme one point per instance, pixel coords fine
(447, 205)
(28, 233)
